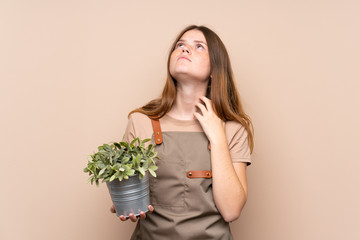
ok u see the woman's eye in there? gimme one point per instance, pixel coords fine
(179, 45)
(199, 46)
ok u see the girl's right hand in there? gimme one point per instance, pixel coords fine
(132, 217)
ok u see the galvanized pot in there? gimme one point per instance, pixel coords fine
(130, 195)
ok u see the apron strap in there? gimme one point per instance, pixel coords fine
(199, 174)
(157, 131)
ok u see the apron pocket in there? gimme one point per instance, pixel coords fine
(168, 188)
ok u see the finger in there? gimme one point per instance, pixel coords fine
(205, 99)
(112, 209)
(201, 107)
(198, 116)
(151, 208)
(142, 215)
(122, 218)
(207, 103)
(132, 217)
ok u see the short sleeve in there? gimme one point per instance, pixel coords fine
(129, 134)
(139, 125)
(237, 137)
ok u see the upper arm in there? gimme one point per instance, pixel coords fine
(237, 138)
(129, 134)
(139, 125)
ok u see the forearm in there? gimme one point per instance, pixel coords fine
(229, 193)
(229, 180)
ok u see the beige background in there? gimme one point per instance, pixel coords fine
(71, 70)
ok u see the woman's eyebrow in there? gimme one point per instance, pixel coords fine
(195, 41)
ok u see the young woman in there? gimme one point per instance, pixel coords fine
(204, 140)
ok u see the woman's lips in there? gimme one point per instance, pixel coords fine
(183, 57)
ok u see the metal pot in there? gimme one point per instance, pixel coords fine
(130, 195)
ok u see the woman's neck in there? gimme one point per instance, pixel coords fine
(186, 98)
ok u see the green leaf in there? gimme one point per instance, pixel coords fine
(112, 178)
(121, 176)
(117, 155)
(153, 167)
(100, 165)
(134, 160)
(124, 144)
(89, 179)
(117, 145)
(130, 172)
(134, 141)
(137, 159)
(150, 148)
(102, 171)
(107, 147)
(125, 160)
(152, 172)
(141, 170)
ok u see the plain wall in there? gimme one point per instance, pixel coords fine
(70, 71)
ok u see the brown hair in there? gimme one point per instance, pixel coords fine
(223, 92)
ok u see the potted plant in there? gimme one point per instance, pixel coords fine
(123, 166)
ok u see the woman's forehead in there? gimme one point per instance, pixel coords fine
(193, 35)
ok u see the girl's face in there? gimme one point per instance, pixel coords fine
(190, 58)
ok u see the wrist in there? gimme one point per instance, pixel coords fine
(218, 139)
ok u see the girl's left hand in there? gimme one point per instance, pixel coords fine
(212, 125)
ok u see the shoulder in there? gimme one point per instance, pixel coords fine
(233, 128)
(138, 117)
(139, 120)
(140, 125)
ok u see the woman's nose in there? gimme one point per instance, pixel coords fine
(186, 50)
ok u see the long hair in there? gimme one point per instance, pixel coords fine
(222, 89)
